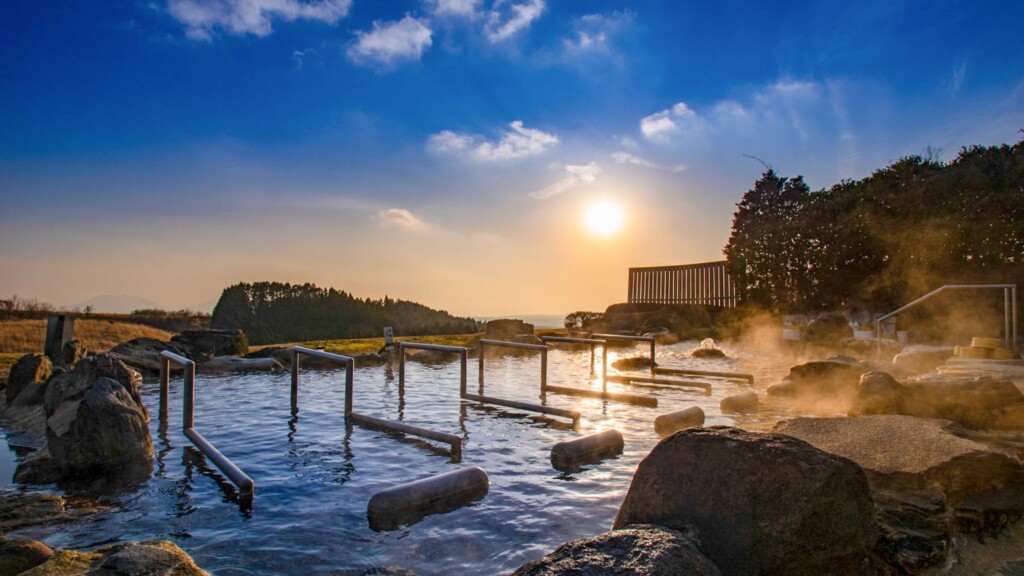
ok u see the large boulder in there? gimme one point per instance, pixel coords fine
(96, 427)
(923, 358)
(150, 557)
(201, 345)
(877, 393)
(762, 503)
(26, 370)
(827, 328)
(906, 453)
(641, 550)
(144, 353)
(507, 329)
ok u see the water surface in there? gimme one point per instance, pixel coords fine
(314, 478)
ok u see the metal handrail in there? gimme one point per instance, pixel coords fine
(573, 414)
(650, 339)
(1009, 311)
(369, 421)
(593, 343)
(244, 483)
(454, 441)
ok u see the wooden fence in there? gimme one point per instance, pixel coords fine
(708, 284)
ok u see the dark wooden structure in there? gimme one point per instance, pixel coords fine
(707, 284)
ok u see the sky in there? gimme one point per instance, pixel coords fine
(448, 151)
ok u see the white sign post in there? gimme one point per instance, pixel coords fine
(389, 337)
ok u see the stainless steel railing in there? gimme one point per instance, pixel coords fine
(573, 414)
(1009, 311)
(454, 441)
(244, 483)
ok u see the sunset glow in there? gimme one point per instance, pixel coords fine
(604, 218)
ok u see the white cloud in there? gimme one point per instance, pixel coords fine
(627, 158)
(660, 126)
(202, 17)
(593, 31)
(578, 173)
(405, 39)
(957, 77)
(465, 8)
(507, 18)
(401, 218)
(516, 142)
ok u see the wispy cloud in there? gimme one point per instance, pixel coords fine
(401, 218)
(202, 17)
(957, 76)
(464, 8)
(577, 174)
(389, 42)
(592, 32)
(516, 142)
(627, 158)
(507, 18)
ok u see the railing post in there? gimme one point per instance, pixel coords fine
(401, 370)
(1013, 301)
(188, 415)
(604, 366)
(652, 356)
(295, 380)
(165, 384)
(463, 360)
(591, 358)
(480, 379)
(349, 377)
(543, 371)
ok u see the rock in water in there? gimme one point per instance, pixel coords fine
(17, 556)
(143, 353)
(28, 369)
(827, 328)
(641, 550)
(632, 363)
(96, 427)
(923, 358)
(761, 503)
(127, 559)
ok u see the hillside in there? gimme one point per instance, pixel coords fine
(273, 312)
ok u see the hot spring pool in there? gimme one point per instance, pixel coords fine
(313, 480)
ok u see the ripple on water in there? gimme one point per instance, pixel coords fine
(314, 477)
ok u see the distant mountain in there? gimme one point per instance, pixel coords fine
(122, 304)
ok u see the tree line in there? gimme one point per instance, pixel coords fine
(879, 242)
(274, 312)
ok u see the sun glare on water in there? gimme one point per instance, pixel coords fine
(603, 218)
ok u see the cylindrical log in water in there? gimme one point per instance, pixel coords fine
(570, 454)
(740, 403)
(786, 388)
(408, 503)
(670, 422)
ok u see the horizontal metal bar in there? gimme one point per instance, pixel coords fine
(437, 347)
(177, 359)
(526, 406)
(244, 483)
(635, 399)
(454, 441)
(623, 337)
(937, 290)
(572, 340)
(340, 358)
(728, 375)
(661, 381)
(505, 344)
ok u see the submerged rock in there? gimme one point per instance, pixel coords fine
(235, 364)
(201, 345)
(150, 557)
(641, 550)
(634, 363)
(762, 503)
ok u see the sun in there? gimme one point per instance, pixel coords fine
(603, 218)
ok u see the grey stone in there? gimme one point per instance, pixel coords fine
(762, 503)
(26, 370)
(641, 550)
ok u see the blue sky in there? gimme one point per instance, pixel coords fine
(445, 150)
